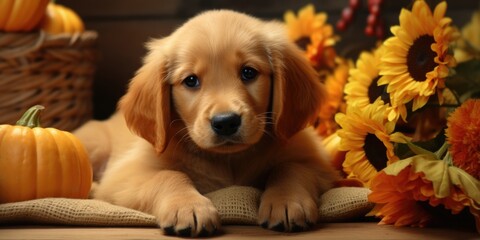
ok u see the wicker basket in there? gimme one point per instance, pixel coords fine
(55, 71)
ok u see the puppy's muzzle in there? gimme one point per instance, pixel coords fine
(226, 124)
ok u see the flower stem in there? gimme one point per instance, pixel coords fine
(441, 152)
(448, 159)
(31, 118)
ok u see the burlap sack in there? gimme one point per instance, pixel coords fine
(236, 205)
(343, 204)
(81, 212)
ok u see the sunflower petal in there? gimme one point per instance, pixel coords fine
(440, 11)
(289, 17)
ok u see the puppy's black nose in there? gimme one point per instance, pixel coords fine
(226, 124)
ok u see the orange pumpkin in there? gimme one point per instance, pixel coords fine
(61, 19)
(38, 162)
(21, 15)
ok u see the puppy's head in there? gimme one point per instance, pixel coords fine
(227, 76)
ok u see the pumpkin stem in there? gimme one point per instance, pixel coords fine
(31, 118)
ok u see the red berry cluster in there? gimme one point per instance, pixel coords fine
(375, 23)
(348, 14)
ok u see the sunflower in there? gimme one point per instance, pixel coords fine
(300, 28)
(320, 51)
(362, 88)
(401, 188)
(417, 57)
(367, 137)
(462, 135)
(468, 46)
(334, 84)
(311, 33)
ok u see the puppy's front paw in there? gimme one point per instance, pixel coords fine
(188, 216)
(287, 213)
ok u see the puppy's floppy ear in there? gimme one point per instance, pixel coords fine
(297, 90)
(146, 105)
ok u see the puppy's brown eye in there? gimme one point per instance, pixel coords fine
(248, 73)
(191, 81)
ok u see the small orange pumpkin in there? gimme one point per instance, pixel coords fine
(21, 15)
(61, 19)
(38, 162)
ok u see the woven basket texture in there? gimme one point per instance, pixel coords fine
(55, 71)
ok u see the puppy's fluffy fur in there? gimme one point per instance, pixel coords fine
(217, 65)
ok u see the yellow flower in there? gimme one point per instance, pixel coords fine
(469, 43)
(305, 24)
(417, 58)
(362, 88)
(399, 188)
(463, 136)
(311, 32)
(334, 84)
(301, 27)
(471, 31)
(367, 137)
(320, 51)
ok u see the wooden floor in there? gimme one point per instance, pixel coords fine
(363, 230)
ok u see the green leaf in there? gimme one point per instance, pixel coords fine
(395, 168)
(469, 184)
(442, 175)
(404, 150)
(421, 151)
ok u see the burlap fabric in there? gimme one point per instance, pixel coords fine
(343, 204)
(236, 205)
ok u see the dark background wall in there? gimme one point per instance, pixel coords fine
(125, 25)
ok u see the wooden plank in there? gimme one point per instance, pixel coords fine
(333, 231)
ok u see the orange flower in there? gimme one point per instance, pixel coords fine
(463, 136)
(398, 189)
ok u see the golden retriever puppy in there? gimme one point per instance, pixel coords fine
(224, 100)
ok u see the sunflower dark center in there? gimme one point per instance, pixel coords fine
(375, 91)
(421, 58)
(375, 151)
(303, 42)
